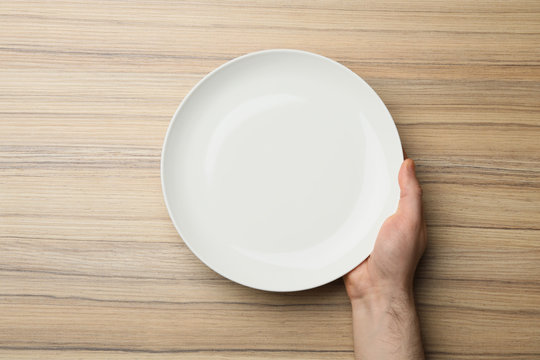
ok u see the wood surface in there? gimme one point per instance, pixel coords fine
(90, 264)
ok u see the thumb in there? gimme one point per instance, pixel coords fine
(410, 202)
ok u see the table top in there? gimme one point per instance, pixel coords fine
(90, 263)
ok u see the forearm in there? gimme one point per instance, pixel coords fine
(386, 326)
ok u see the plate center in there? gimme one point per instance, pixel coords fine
(283, 172)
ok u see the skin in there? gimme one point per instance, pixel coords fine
(385, 323)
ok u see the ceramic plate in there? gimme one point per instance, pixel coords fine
(279, 168)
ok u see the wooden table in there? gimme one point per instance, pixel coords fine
(90, 264)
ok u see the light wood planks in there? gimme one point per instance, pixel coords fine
(90, 264)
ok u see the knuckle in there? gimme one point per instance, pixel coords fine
(417, 190)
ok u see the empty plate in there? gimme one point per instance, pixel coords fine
(279, 168)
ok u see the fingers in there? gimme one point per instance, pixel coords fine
(410, 202)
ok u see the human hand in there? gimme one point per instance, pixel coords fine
(385, 323)
(400, 244)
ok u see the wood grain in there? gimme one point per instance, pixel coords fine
(90, 264)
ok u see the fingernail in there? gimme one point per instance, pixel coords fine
(411, 165)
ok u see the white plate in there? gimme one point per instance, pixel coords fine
(279, 168)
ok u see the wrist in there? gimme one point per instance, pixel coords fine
(380, 299)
